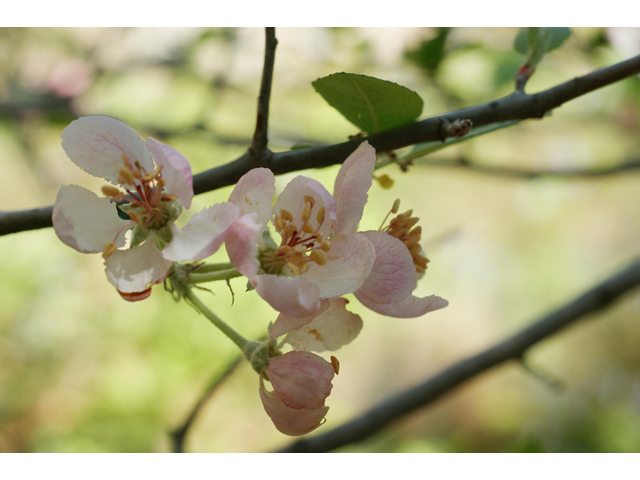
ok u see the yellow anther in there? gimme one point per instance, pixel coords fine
(408, 213)
(385, 181)
(326, 245)
(126, 175)
(284, 249)
(309, 200)
(165, 197)
(162, 182)
(414, 235)
(304, 267)
(306, 213)
(335, 364)
(286, 215)
(278, 223)
(318, 257)
(319, 237)
(110, 191)
(320, 216)
(125, 160)
(137, 173)
(108, 249)
(308, 228)
(294, 268)
(396, 206)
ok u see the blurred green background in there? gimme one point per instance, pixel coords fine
(82, 370)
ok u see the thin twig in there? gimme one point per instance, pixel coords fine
(258, 149)
(178, 435)
(514, 347)
(518, 174)
(517, 106)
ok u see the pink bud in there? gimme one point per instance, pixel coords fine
(301, 379)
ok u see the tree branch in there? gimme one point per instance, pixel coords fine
(258, 149)
(514, 347)
(178, 435)
(516, 106)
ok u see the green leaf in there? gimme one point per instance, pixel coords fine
(369, 103)
(558, 36)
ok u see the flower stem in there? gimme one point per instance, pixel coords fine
(234, 336)
(202, 277)
(212, 267)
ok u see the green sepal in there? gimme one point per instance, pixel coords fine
(140, 234)
(163, 237)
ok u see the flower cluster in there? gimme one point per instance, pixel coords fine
(320, 255)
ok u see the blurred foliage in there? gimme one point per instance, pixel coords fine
(81, 370)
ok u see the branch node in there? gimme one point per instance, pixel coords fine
(456, 129)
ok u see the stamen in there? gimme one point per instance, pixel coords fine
(318, 257)
(134, 216)
(396, 206)
(326, 245)
(286, 215)
(294, 269)
(108, 249)
(127, 175)
(320, 216)
(306, 213)
(335, 364)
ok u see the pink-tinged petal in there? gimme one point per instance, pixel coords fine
(348, 264)
(136, 269)
(410, 307)
(393, 276)
(301, 379)
(96, 144)
(351, 187)
(176, 171)
(289, 420)
(285, 323)
(136, 296)
(203, 234)
(242, 245)
(85, 222)
(292, 200)
(331, 330)
(295, 296)
(254, 193)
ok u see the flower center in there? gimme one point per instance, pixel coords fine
(298, 246)
(144, 201)
(402, 227)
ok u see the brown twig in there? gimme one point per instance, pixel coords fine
(516, 106)
(513, 348)
(178, 435)
(258, 149)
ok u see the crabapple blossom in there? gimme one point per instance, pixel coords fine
(399, 259)
(153, 184)
(315, 259)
